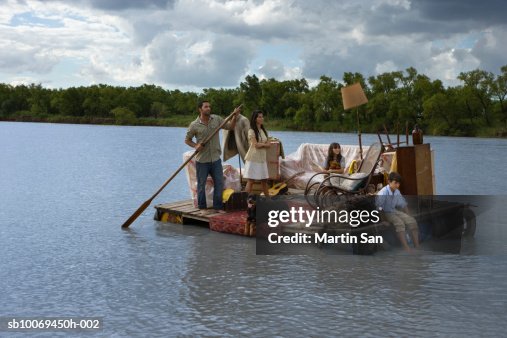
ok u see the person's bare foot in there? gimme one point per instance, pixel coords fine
(220, 211)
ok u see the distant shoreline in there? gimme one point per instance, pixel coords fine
(184, 121)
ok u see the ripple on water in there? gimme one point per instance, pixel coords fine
(65, 190)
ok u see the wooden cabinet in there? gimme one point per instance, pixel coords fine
(414, 164)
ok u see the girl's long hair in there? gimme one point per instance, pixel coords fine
(253, 124)
(330, 154)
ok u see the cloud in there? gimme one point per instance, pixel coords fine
(433, 18)
(467, 13)
(490, 49)
(394, 35)
(213, 43)
(199, 60)
(16, 58)
(272, 69)
(115, 5)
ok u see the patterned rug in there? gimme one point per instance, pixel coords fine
(232, 223)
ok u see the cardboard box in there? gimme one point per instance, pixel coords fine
(273, 159)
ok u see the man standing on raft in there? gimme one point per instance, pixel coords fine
(208, 160)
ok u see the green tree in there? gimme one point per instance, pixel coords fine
(327, 101)
(183, 103)
(351, 78)
(92, 103)
(159, 109)
(68, 102)
(123, 115)
(382, 107)
(39, 100)
(304, 118)
(222, 100)
(446, 113)
(16, 99)
(251, 92)
(272, 92)
(499, 92)
(478, 86)
(477, 106)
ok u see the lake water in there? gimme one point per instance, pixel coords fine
(66, 189)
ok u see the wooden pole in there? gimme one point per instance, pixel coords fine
(240, 176)
(397, 134)
(387, 134)
(359, 134)
(406, 132)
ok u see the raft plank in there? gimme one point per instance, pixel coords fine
(187, 210)
(177, 204)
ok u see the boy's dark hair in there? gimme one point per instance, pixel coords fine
(199, 105)
(394, 176)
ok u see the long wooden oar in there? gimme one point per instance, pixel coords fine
(143, 206)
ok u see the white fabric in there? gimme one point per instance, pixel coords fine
(256, 170)
(231, 180)
(309, 156)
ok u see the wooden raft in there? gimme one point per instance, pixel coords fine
(181, 212)
(184, 212)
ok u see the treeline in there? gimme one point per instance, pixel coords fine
(476, 107)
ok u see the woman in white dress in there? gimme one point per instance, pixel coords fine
(256, 166)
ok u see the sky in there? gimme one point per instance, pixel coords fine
(195, 44)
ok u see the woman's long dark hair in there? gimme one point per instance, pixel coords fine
(330, 154)
(253, 124)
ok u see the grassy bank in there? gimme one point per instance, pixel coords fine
(184, 121)
(174, 121)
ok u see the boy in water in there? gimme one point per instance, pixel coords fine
(388, 200)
